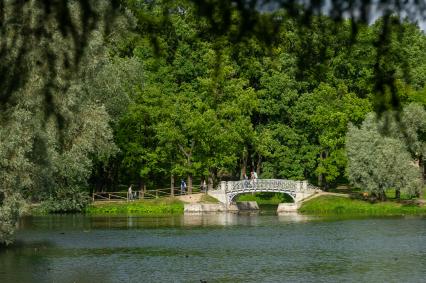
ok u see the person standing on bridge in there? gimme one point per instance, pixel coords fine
(246, 182)
(253, 176)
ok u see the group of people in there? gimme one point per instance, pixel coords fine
(131, 194)
(253, 178)
(203, 186)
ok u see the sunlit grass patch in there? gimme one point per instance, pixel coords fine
(209, 199)
(143, 207)
(342, 205)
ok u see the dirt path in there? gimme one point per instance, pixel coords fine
(194, 198)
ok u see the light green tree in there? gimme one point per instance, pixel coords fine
(379, 162)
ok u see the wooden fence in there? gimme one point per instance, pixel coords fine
(135, 195)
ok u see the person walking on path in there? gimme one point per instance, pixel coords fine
(130, 193)
(204, 186)
(182, 187)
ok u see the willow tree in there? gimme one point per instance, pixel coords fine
(51, 126)
(380, 161)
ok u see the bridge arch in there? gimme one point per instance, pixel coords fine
(233, 197)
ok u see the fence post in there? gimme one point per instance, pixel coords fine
(156, 193)
(172, 185)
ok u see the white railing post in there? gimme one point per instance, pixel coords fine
(223, 186)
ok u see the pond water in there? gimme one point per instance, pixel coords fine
(216, 248)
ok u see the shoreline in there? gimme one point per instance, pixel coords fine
(327, 205)
(338, 205)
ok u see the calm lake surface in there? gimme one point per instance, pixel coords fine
(216, 248)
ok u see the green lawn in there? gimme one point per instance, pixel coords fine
(328, 205)
(142, 207)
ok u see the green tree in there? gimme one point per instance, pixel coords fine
(324, 115)
(52, 128)
(378, 162)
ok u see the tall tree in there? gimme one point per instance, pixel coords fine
(379, 162)
(51, 126)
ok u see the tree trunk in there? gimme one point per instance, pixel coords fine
(321, 177)
(243, 164)
(210, 180)
(381, 196)
(243, 169)
(190, 174)
(188, 154)
(258, 165)
(210, 183)
(397, 194)
(113, 179)
(422, 168)
(190, 184)
(140, 184)
(172, 185)
(142, 189)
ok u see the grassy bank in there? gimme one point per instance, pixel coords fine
(329, 205)
(208, 199)
(163, 206)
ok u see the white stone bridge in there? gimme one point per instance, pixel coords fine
(298, 190)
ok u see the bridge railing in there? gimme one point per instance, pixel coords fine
(265, 185)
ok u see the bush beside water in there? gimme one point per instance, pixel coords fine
(64, 200)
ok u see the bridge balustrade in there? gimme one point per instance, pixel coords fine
(227, 191)
(264, 185)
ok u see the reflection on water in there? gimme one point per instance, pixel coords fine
(242, 218)
(202, 219)
(216, 247)
(294, 217)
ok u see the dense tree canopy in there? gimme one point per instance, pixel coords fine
(214, 107)
(144, 92)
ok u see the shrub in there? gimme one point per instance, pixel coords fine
(11, 207)
(66, 200)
